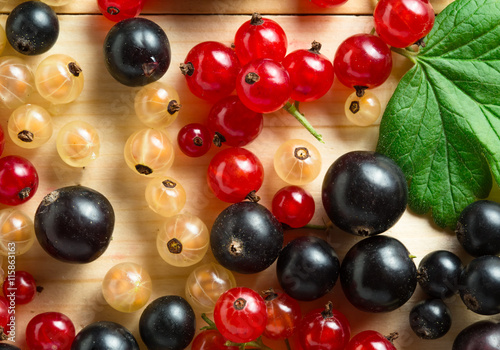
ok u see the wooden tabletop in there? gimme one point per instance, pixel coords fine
(75, 290)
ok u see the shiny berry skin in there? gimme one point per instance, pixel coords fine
(362, 60)
(136, 52)
(165, 196)
(23, 285)
(401, 23)
(232, 123)
(481, 335)
(294, 206)
(78, 143)
(19, 180)
(438, 274)
(283, 314)
(263, 85)
(479, 285)
(32, 28)
(430, 319)
(167, 323)
(17, 81)
(246, 238)
(311, 73)
(117, 10)
(297, 162)
(308, 268)
(194, 140)
(157, 105)
(364, 193)
(369, 340)
(364, 110)
(30, 126)
(478, 228)
(328, 3)
(234, 173)
(50, 330)
(374, 283)
(104, 335)
(4, 314)
(210, 69)
(324, 329)
(240, 315)
(2, 140)
(260, 38)
(210, 339)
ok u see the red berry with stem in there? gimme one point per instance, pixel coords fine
(210, 69)
(311, 73)
(235, 174)
(362, 60)
(210, 339)
(401, 23)
(50, 330)
(260, 38)
(264, 85)
(194, 140)
(328, 3)
(294, 206)
(370, 340)
(117, 10)
(18, 179)
(240, 315)
(324, 329)
(283, 314)
(22, 286)
(232, 123)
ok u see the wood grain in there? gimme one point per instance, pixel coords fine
(75, 289)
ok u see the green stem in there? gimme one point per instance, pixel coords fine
(287, 343)
(256, 344)
(316, 227)
(293, 109)
(211, 324)
(408, 54)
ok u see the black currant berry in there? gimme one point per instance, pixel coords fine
(307, 268)
(438, 274)
(4, 346)
(430, 319)
(104, 335)
(168, 323)
(378, 274)
(246, 238)
(32, 28)
(74, 224)
(137, 52)
(480, 285)
(478, 228)
(364, 193)
(482, 335)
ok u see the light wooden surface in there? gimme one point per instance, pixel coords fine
(75, 289)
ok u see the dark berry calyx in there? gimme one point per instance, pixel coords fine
(354, 107)
(24, 193)
(327, 312)
(239, 304)
(236, 247)
(169, 183)
(315, 47)
(218, 139)
(174, 246)
(392, 337)
(256, 19)
(143, 169)
(74, 69)
(187, 68)
(269, 294)
(253, 197)
(197, 141)
(251, 78)
(173, 107)
(112, 10)
(360, 90)
(301, 153)
(25, 136)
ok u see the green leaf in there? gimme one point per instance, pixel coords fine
(442, 124)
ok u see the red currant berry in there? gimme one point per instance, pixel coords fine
(311, 73)
(210, 339)
(234, 173)
(283, 315)
(194, 140)
(50, 330)
(362, 60)
(294, 206)
(2, 140)
(401, 23)
(210, 69)
(18, 179)
(264, 85)
(4, 314)
(117, 10)
(328, 3)
(324, 329)
(22, 287)
(240, 315)
(370, 340)
(232, 123)
(260, 38)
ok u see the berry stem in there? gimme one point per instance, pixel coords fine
(408, 54)
(211, 324)
(293, 109)
(287, 343)
(255, 344)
